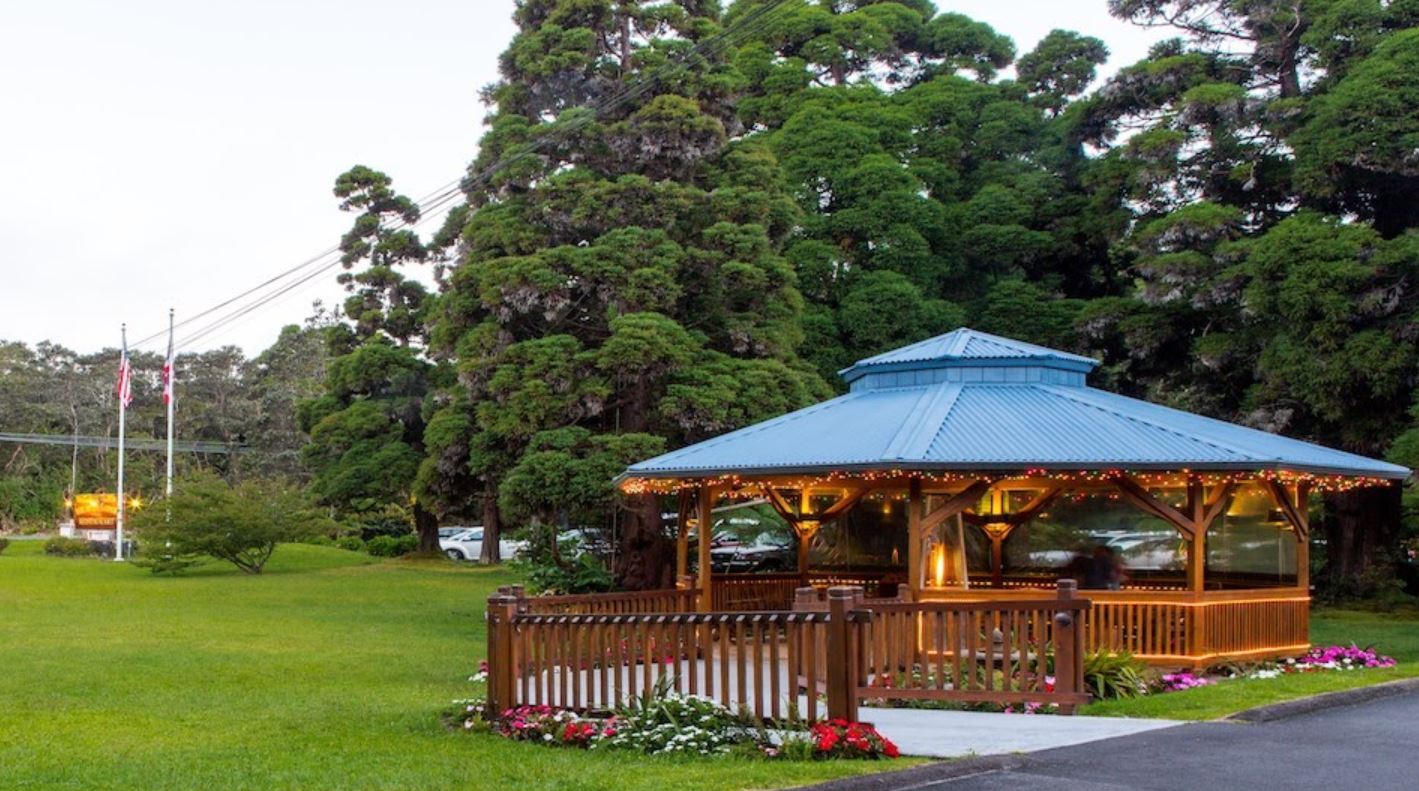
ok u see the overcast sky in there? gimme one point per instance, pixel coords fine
(172, 153)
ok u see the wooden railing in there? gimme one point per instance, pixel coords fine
(789, 664)
(775, 591)
(762, 663)
(1174, 628)
(1026, 652)
(668, 600)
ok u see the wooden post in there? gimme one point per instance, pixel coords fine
(1068, 644)
(1303, 536)
(804, 530)
(502, 674)
(916, 564)
(682, 536)
(842, 653)
(805, 600)
(705, 528)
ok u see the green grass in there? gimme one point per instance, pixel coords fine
(328, 671)
(1396, 635)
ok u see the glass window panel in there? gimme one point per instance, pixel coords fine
(872, 536)
(1067, 536)
(1251, 544)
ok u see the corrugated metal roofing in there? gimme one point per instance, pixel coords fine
(969, 344)
(997, 426)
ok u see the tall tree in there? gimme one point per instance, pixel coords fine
(626, 280)
(367, 429)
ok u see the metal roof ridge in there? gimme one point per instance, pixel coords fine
(1072, 393)
(934, 406)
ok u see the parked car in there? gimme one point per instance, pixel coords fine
(1151, 553)
(769, 553)
(449, 532)
(585, 539)
(468, 545)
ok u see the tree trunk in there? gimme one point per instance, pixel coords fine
(427, 526)
(1362, 528)
(647, 558)
(492, 526)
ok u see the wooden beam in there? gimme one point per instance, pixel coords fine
(705, 527)
(844, 503)
(1293, 511)
(1031, 509)
(780, 505)
(1145, 501)
(849, 498)
(955, 504)
(1216, 503)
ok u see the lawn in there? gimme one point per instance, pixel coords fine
(328, 671)
(1396, 635)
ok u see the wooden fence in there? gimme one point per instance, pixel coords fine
(776, 591)
(790, 664)
(1177, 628)
(656, 601)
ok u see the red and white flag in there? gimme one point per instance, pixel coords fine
(169, 373)
(125, 378)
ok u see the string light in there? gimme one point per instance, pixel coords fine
(738, 486)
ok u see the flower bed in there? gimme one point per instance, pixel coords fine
(669, 723)
(843, 739)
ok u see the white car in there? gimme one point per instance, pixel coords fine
(468, 545)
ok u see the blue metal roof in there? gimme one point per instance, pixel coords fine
(971, 401)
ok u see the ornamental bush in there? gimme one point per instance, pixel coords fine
(241, 525)
(843, 739)
(350, 544)
(1110, 674)
(387, 546)
(665, 722)
(60, 546)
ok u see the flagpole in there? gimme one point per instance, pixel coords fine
(170, 396)
(122, 419)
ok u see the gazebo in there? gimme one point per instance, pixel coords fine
(972, 467)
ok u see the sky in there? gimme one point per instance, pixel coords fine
(160, 154)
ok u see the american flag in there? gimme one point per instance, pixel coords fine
(169, 373)
(125, 378)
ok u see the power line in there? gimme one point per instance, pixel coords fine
(107, 443)
(750, 23)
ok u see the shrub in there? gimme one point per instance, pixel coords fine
(4, 542)
(350, 543)
(583, 573)
(390, 520)
(238, 524)
(665, 722)
(320, 541)
(1110, 675)
(392, 546)
(843, 739)
(68, 547)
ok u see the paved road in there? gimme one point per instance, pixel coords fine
(1368, 747)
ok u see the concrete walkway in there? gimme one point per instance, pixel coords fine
(953, 734)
